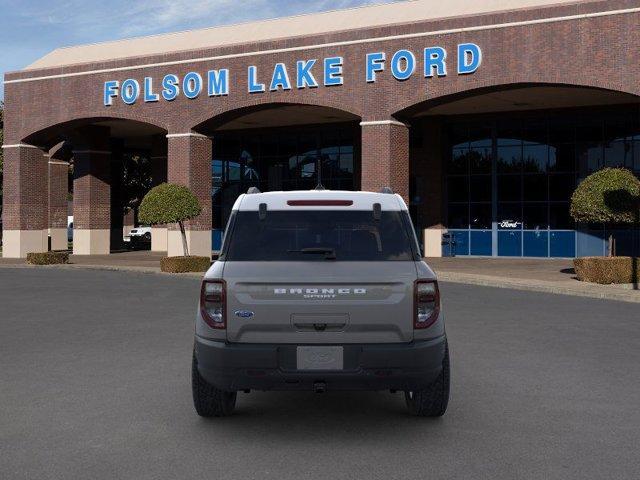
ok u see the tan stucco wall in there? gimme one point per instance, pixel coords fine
(198, 242)
(17, 243)
(91, 242)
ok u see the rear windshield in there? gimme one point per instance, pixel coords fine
(317, 235)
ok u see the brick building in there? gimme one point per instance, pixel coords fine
(483, 119)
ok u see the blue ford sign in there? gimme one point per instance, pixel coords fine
(307, 73)
(243, 313)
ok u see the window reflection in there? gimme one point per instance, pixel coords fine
(618, 153)
(510, 158)
(535, 158)
(480, 159)
(537, 165)
(480, 216)
(280, 159)
(535, 216)
(534, 163)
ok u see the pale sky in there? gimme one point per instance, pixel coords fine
(31, 28)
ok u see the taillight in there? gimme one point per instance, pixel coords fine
(427, 303)
(212, 303)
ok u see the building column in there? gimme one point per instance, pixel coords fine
(189, 164)
(159, 175)
(24, 201)
(385, 156)
(92, 193)
(58, 191)
(128, 222)
(116, 174)
(427, 153)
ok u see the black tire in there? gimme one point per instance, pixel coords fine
(147, 236)
(433, 400)
(208, 400)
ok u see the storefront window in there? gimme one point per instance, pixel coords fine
(480, 188)
(280, 159)
(535, 158)
(509, 157)
(459, 161)
(480, 217)
(480, 159)
(619, 153)
(562, 157)
(518, 179)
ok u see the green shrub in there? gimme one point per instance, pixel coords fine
(610, 195)
(48, 258)
(170, 203)
(607, 270)
(185, 264)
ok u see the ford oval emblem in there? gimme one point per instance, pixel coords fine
(243, 313)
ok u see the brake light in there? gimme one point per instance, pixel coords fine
(426, 304)
(212, 303)
(319, 203)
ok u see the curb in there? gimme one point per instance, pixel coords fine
(112, 268)
(604, 292)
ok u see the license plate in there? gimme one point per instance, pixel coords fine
(320, 358)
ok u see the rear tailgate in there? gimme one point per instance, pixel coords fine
(320, 302)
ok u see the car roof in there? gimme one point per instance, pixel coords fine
(325, 199)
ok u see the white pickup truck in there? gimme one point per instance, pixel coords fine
(139, 236)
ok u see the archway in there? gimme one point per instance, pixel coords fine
(113, 163)
(280, 147)
(496, 167)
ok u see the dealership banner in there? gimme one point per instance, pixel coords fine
(308, 73)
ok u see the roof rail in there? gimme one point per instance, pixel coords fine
(386, 190)
(253, 190)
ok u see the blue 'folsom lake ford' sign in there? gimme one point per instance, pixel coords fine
(310, 73)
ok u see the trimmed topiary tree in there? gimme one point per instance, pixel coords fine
(170, 203)
(610, 195)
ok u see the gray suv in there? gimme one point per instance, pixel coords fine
(320, 290)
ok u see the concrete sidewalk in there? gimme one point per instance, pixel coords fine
(133, 258)
(132, 261)
(539, 275)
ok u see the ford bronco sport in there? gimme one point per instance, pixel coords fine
(320, 290)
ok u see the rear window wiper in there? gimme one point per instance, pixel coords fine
(329, 253)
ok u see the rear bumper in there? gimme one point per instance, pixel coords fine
(233, 367)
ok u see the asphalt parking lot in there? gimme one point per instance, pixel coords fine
(95, 383)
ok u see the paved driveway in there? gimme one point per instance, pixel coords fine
(94, 383)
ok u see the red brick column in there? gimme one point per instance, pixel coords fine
(92, 192)
(426, 171)
(189, 164)
(24, 201)
(385, 156)
(58, 190)
(158, 159)
(159, 175)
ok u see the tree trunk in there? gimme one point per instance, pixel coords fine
(610, 245)
(185, 247)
